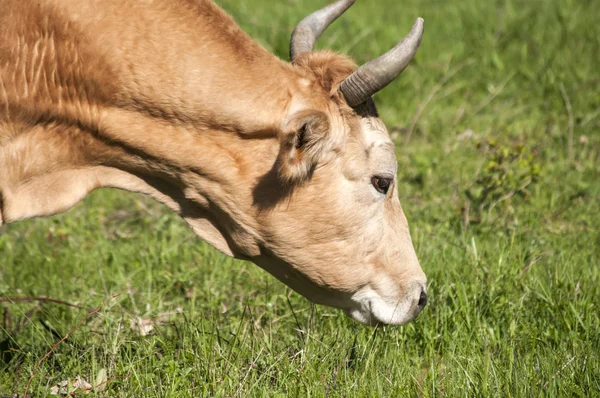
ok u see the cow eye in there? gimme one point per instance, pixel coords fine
(381, 184)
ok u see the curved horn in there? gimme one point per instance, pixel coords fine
(378, 73)
(310, 28)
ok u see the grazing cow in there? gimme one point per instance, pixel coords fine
(287, 165)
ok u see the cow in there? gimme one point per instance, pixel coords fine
(284, 164)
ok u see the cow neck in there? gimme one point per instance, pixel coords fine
(202, 142)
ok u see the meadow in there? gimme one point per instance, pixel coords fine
(497, 126)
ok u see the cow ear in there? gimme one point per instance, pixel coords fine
(304, 143)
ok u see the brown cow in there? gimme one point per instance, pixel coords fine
(284, 164)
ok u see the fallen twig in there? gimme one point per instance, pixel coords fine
(43, 300)
(12, 300)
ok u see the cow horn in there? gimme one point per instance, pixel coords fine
(378, 73)
(310, 28)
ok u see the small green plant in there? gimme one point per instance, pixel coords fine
(509, 170)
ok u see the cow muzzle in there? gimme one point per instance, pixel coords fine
(371, 308)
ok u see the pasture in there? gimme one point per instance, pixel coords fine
(497, 126)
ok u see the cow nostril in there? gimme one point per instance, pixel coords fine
(423, 299)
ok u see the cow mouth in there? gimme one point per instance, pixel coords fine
(365, 318)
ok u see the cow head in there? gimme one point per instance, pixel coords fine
(329, 214)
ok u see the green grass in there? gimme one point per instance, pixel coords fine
(514, 276)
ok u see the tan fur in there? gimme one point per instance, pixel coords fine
(171, 99)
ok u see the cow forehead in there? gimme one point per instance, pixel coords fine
(379, 147)
(374, 131)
